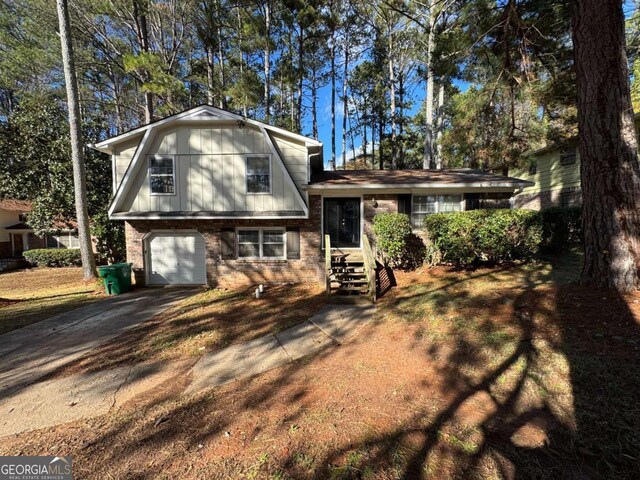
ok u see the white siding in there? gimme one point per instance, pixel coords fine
(123, 155)
(210, 170)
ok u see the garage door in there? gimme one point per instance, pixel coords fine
(177, 259)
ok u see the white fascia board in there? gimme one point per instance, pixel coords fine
(409, 186)
(132, 170)
(287, 175)
(117, 216)
(107, 145)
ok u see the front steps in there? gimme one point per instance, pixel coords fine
(347, 274)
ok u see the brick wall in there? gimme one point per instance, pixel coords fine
(385, 204)
(233, 273)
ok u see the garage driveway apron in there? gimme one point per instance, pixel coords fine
(36, 350)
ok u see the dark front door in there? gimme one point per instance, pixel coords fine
(342, 221)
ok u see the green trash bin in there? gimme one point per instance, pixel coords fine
(116, 277)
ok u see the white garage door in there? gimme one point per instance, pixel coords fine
(177, 259)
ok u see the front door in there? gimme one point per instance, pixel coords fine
(342, 222)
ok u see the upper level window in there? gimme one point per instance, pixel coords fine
(22, 217)
(533, 167)
(162, 175)
(568, 157)
(258, 174)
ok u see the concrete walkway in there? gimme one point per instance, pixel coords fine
(36, 350)
(58, 401)
(330, 326)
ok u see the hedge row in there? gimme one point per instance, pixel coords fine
(54, 257)
(496, 236)
(475, 236)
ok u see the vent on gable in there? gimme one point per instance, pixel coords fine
(204, 115)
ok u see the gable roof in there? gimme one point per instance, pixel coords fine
(12, 205)
(199, 113)
(452, 178)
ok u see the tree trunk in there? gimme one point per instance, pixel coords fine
(610, 171)
(333, 98)
(79, 176)
(380, 139)
(209, 55)
(223, 78)
(300, 81)
(345, 76)
(392, 97)
(143, 40)
(427, 161)
(439, 127)
(241, 55)
(314, 100)
(267, 60)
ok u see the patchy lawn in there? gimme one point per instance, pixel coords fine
(28, 296)
(496, 373)
(208, 321)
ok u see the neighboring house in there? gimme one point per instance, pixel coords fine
(16, 236)
(210, 197)
(555, 170)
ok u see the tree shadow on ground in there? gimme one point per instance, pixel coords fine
(509, 415)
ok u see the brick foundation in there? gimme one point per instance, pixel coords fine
(235, 273)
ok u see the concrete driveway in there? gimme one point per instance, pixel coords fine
(34, 351)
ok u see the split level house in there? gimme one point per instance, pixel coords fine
(211, 197)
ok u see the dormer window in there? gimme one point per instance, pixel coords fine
(162, 175)
(258, 174)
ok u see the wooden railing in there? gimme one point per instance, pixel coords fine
(327, 262)
(369, 266)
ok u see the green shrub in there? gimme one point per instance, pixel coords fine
(396, 242)
(562, 228)
(54, 257)
(496, 236)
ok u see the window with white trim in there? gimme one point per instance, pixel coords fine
(266, 243)
(258, 174)
(449, 203)
(63, 240)
(162, 175)
(423, 205)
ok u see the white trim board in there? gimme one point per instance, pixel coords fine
(211, 114)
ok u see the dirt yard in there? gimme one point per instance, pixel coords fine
(30, 295)
(496, 373)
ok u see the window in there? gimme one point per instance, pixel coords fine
(568, 157)
(64, 240)
(22, 217)
(162, 175)
(261, 243)
(570, 199)
(449, 203)
(52, 241)
(258, 174)
(423, 205)
(533, 167)
(249, 243)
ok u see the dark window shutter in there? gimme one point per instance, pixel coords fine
(293, 243)
(404, 203)
(228, 243)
